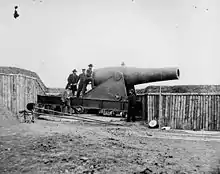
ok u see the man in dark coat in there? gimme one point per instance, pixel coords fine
(89, 78)
(131, 106)
(72, 81)
(66, 100)
(82, 78)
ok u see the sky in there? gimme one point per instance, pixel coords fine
(52, 37)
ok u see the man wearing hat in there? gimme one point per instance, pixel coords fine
(89, 78)
(72, 81)
(82, 78)
(65, 98)
(131, 105)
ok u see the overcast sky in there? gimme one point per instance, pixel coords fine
(53, 37)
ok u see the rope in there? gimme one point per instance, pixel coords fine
(76, 117)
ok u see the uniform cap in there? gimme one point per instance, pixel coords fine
(90, 65)
(74, 70)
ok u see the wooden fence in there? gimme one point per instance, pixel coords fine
(182, 110)
(17, 90)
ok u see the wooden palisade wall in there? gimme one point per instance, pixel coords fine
(17, 90)
(183, 110)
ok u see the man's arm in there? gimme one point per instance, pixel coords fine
(69, 78)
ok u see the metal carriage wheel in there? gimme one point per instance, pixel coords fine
(79, 109)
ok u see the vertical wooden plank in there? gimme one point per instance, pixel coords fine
(186, 110)
(163, 108)
(12, 94)
(26, 93)
(190, 111)
(213, 112)
(177, 112)
(180, 113)
(18, 93)
(153, 106)
(217, 112)
(210, 112)
(160, 112)
(169, 110)
(166, 110)
(183, 109)
(14, 102)
(148, 108)
(196, 113)
(9, 91)
(143, 108)
(1, 89)
(198, 120)
(173, 112)
(204, 112)
(201, 112)
(207, 113)
(4, 91)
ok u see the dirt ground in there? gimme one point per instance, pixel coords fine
(79, 147)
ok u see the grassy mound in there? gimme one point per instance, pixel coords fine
(181, 89)
(14, 70)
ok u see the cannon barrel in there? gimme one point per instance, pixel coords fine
(135, 76)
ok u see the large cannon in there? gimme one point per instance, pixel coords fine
(109, 96)
(113, 83)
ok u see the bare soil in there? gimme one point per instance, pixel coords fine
(77, 147)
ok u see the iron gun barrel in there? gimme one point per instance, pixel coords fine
(135, 76)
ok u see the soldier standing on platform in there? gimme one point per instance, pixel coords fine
(82, 78)
(72, 81)
(89, 78)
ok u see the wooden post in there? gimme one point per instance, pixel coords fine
(160, 109)
(143, 101)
